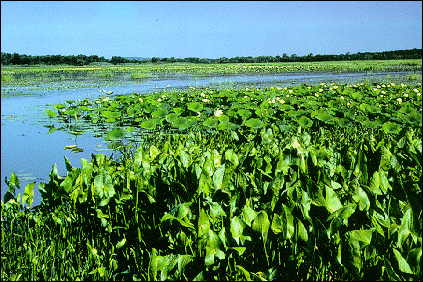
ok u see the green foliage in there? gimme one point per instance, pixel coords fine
(269, 197)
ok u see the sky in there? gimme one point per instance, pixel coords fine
(208, 29)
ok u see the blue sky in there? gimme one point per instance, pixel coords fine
(208, 29)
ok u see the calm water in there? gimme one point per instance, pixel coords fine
(30, 151)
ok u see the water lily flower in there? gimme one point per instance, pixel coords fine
(218, 113)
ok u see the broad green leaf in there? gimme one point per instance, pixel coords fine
(232, 157)
(115, 134)
(154, 152)
(218, 177)
(195, 106)
(361, 198)
(248, 215)
(402, 263)
(332, 202)
(277, 224)
(290, 228)
(254, 123)
(237, 227)
(364, 236)
(305, 122)
(261, 224)
(28, 195)
(302, 231)
(244, 272)
(150, 124)
(375, 184)
(203, 224)
(391, 127)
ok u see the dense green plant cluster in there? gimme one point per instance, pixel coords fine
(311, 182)
(388, 107)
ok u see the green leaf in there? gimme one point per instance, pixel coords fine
(28, 195)
(154, 152)
(402, 263)
(364, 236)
(231, 156)
(391, 127)
(203, 224)
(302, 231)
(103, 186)
(375, 184)
(115, 134)
(261, 224)
(277, 224)
(361, 198)
(121, 243)
(290, 228)
(237, 227)
(332, 202)
(254, 123)
(305, 122)
(195, 107)
(218, 177)
(248, 215)
(150, 124)
(50, 113)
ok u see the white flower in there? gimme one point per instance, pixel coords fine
(335, 87)
(159, 100)
(202, 94)
(141, 100)
(205, 100)
(402, 85)
(405, 94)
(342, 97)
(399, 100)
(320, 90)
(416, 90)
(383, 92)
(316, 94)
(218, 113)
(282, 101)
(378, 86)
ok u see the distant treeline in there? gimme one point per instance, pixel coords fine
(80, 60)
